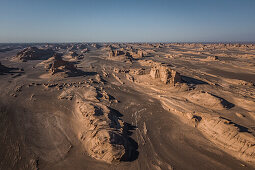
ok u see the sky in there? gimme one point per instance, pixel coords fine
(127, 21)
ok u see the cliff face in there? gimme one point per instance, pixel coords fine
(165, 74)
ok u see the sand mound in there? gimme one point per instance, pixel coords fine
(34, 53)
(209, 100)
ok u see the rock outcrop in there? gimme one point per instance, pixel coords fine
(103, 139)
(212, 58)
(57, 65)
(115, 53)
(165, 74)
(74, 54)
(120, 55)
(102, 133)
(209, 100)
(34, 53)
(138, 54)
(229, 135)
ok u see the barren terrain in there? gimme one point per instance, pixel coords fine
(127, 106)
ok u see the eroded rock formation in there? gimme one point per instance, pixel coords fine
(58, 65)
(165, 74)
(116, 53)
(229, 135)
(101, 131)
(34, 53)
(103, 139)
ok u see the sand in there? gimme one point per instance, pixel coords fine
(127, 106)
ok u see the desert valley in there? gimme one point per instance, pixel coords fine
(127, 106)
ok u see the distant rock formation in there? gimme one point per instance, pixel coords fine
(74, 54)
(83, 46)
(57, 65)
(116, 53)
(138, 54)
(120, 55)
(34, 53)
(84, 50)
(165, 74)
(95, 45)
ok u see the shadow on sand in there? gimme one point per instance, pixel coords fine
(130, 145)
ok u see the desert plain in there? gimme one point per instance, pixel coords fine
(127, 106)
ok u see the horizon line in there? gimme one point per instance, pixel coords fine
(149, 42)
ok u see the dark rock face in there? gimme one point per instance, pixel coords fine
(34, 53)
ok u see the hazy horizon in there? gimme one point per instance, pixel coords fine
(135, 42)
(27, 21)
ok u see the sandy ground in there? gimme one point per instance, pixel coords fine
(114, 115)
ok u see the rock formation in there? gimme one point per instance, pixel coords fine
(209, 100)
(138, 54)
(165, 74)
(58, 65)
(34, 53)
(229, 135)
(74, 54)
(103, 139)
(116, 53)
(100, 130)
(212, 58)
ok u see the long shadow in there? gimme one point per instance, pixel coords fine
(124, 139)
(240, 127)
(5, 50)
(224, 102)
(78, 73)
(131, 152)
(192, 81)
(7, 70)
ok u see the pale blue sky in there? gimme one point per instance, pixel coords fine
(127, 21)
